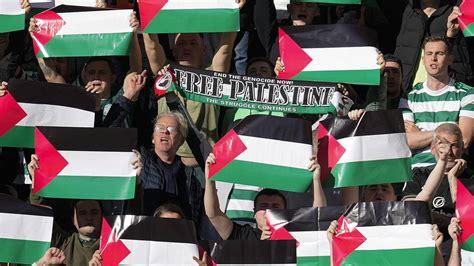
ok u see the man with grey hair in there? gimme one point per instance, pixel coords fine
(165, 179)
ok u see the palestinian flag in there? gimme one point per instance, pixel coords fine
(85, 163)
(332, 53)
(141, 240)
(240, 203)
(384, 233)
(465, 212)
(28, 104)
(265, 151)
(69, 31)
(373, 150)
(25, 230)
(184, 16)
(466, 21)
(249, 252)
(12, 17)
(338, 2)
(308, 227)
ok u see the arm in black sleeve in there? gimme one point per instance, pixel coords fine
(266, 23)
(118, 112)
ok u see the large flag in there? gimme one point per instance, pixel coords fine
(384, 233)
(67, 31)
(265, 151)
(373, 150)
(465, 212)
(332, 53)
(12, 17)
(141, 240)
(250, 252)
(25, 230)
(85, 163)
(184, 16)
(466, 21)
(241, 203)
(308, 227)
(28, 104)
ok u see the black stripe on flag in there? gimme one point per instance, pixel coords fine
(330, 36)
(380, 213)
(153, 229)
(70, 9)
(277, 128)
(91, 139)
(307, 219)
(13, 205)
(250, 252)
(27, 91)
(372, 123)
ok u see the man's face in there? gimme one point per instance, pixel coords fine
(381, 192)
(394, 78)
(303, 13)
(456, 148)
(260, 69)
(189, 49)
(265, 202)
(436, 59)
(62, 66)
(166, 135)
(88, 218)
(99, 70)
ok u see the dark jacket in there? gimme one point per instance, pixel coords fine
(415, 27)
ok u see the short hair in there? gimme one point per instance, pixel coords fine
(259, 59)
(183, 124)
(429, 39)
(392, 58)
(101, 59)
(74, 202)
(168, 208)
(269, 192)
(447, 128)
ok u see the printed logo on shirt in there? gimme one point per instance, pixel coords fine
(438, 202)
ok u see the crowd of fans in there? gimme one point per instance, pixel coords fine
(426, 71)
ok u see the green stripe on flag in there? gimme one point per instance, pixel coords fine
(342, 2)
(469, 244)
(240, 215)
(364, 77)
(414, 256)
(469, 30)
(363, 173)
(79, 45)
(90, 187)
(264, 175)
(22, 251)
(316, 261)
(243, 194)
(19, 137)
(194, 20)
(10, 23)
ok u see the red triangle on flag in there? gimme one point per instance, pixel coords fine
(49, 24)
(345, 241)
(467, 10)
(51, 162)
(280, 233)
(228, 147)
(329, 151)
(465, 211)
(209, 260)
(292, 55)
(11, 111)
(149, 9)
(113, 249)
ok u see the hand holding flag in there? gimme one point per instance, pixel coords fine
(453, 24)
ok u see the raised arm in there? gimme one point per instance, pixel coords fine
(319, 199)
(135, 58)
(154, 52)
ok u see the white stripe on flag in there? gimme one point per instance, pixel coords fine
(467, 258)
(93, 22)
(448, 106)
(240, 205)
(396, 237)
(275, 152)
(98, 163)
(26, 227)
(312, 243)
(91, 3)
(55, 116)
(370, 148)
(10, 7)
(247, 187)
(201, 4)
(342, 58)
(160, 253)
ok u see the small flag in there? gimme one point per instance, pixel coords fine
(250, 252)
(332, 53)
(465, 212)
(308, 227)
(241, 203)
(12, 17)
(25, 230)
(466, 21)
(28, 104)
(142, 240)
(68, 31)
(384, 233)
(85, 163)
(185, 16)
(265, 151)
(373, 150)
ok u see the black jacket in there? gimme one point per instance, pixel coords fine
(415, 27)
